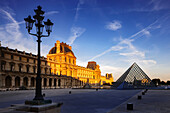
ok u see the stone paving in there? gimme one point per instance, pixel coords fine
(79, 101)
(154, 101)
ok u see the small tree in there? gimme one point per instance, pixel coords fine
(156, 81)
(168, 82)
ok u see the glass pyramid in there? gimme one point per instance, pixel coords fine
(134, 77)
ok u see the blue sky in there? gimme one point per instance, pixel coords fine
(114, 33)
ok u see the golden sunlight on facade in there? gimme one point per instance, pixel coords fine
(62, 61)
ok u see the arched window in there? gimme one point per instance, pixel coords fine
(32, 82)
(17, 81)
(8, 81)
(25, 81)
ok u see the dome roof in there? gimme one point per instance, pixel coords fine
(63, 49)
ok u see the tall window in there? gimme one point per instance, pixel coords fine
(27, 59)
(69, 60)
(2, 66)
(12, 57)
(20, 68)
(54, 71)
(12, 67)
(65, 59)
(2, 54)
(27, 68)
(50, 71)
(34, 69)
(20, 58)
(34, 61)
(73, 61)
(45, 70)
(60, 59)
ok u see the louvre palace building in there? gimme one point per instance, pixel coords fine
(58, 70)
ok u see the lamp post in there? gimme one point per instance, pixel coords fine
(38, 19)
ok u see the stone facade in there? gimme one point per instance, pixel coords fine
(62, 61)
(18, 68)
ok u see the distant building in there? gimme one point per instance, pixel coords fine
(62, 61)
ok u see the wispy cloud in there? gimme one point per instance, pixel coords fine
(75, 32)
(51, 13)
(115, 25)
(128, 50)
(12, 36)
(152, 5)
(78, 8)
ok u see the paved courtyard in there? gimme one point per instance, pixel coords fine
(79, 101)
(154, 101)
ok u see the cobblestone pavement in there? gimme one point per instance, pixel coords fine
(79, 101)
(154, 101)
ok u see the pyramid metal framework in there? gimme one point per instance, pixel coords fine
(134, 77)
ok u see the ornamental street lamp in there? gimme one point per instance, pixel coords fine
(38, 19)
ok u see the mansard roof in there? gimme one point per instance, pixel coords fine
(15, 51)
(54, 49)
(63, 49)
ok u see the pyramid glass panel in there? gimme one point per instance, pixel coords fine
(134, 77)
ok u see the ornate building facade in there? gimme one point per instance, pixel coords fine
(18, 68)
(62, 61)
(58, 70)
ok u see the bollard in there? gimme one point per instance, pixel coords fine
(69, 92)
(139, 97)
(96, 89)
(129, 106)
(43, 94)
(143, 93)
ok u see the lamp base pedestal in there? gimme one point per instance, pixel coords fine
(38, 102)
(23, 108)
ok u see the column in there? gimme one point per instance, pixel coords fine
(56, 82)
(47, 82)
(62, 83)
(42, 82)
(21, 81)
(3, 81)
(13, 81)
(29, 82)
(52, 84)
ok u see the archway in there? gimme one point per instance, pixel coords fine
(59, 82)
(50, 82)
(55, 82)
(45, 82)
(32, 81)
(17, 81)
(8, 81)
(25, 81)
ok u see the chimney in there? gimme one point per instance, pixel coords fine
(70, 47)
(57, 45)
